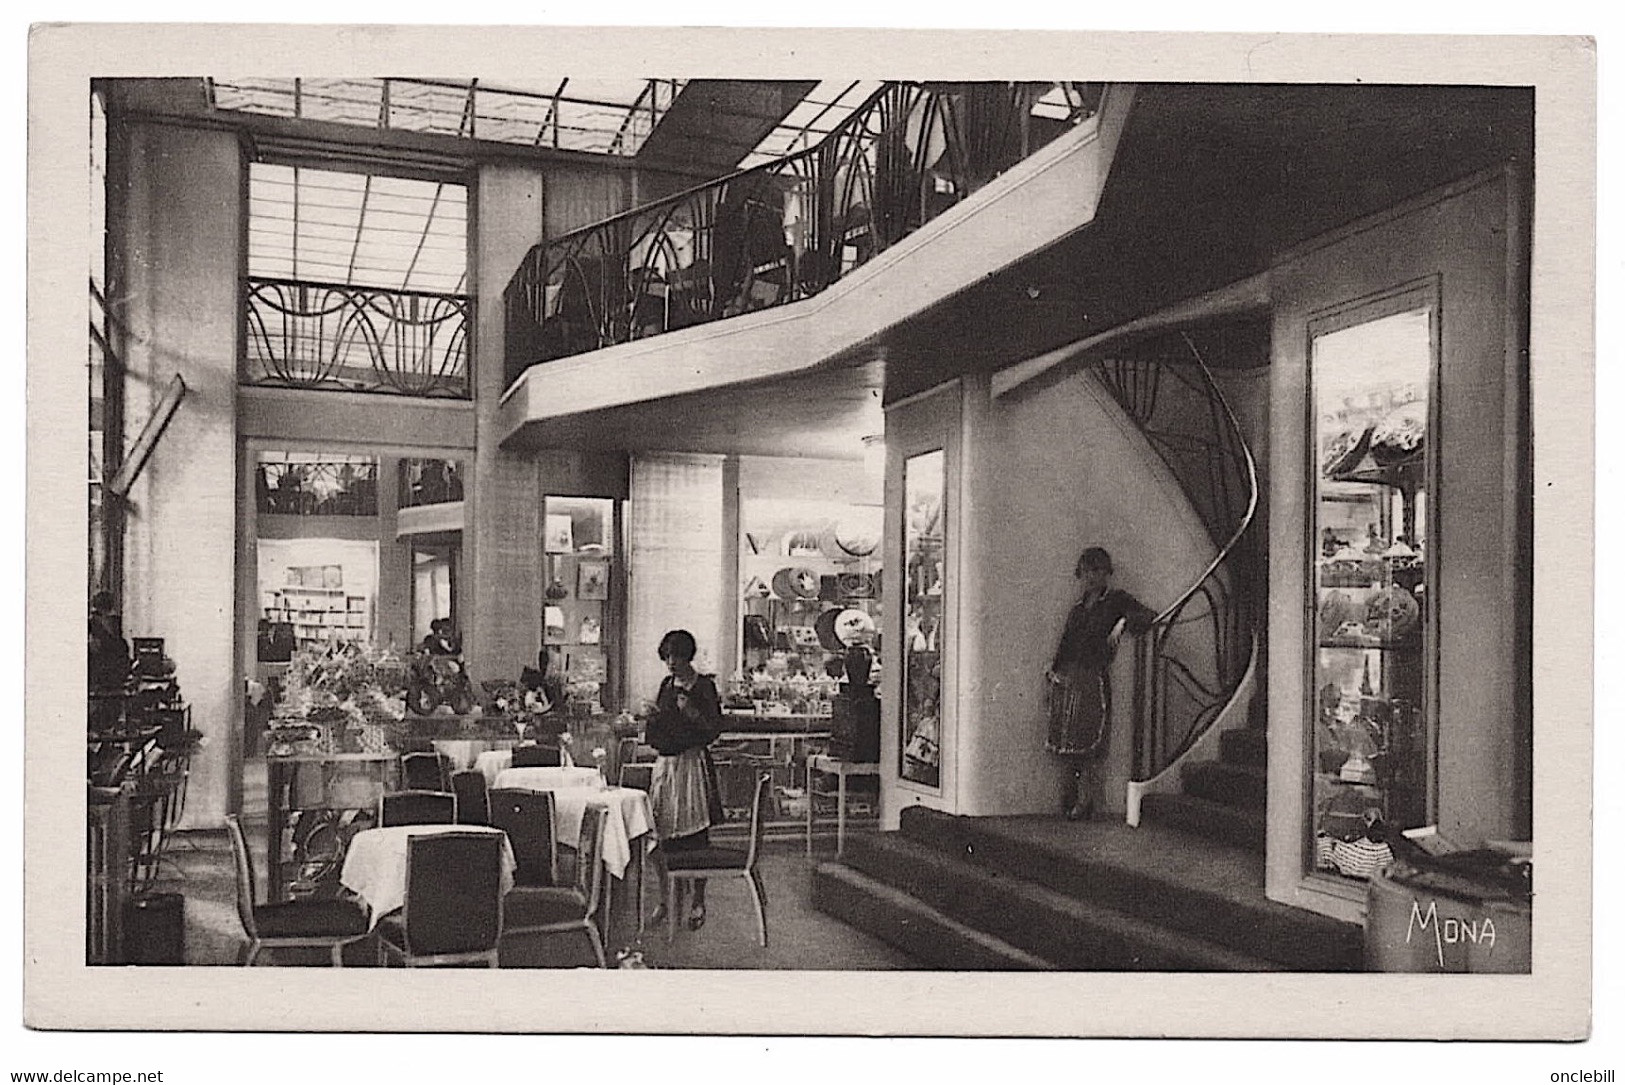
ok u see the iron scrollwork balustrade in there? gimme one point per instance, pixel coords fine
(356, 338)
(1192, 660)
(317, 488)
(778, 232)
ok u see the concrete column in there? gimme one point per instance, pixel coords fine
(177, 292)
(502, 536)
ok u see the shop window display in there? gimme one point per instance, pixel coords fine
(1371, 547)
(924, 537)
(578, 614)
(808, 651)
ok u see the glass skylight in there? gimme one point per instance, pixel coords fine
(818, 114)
(604, 116)
(357, 229)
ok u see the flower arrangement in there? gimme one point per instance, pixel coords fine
(351, 693)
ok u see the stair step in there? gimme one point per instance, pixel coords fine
(1244, 746)
(913, 926)
(1074, 933)
(1244, 786)
(1206, 888)
(1204, 817)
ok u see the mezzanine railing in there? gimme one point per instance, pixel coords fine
(356, 338)
(784, 230)
(1191, 662)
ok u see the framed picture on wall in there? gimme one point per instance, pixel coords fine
(558, 536)
(592, 580)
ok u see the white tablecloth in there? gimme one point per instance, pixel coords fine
(492, 762)
(375, 864)
(548, 778)
(464, 751)
(631, 821)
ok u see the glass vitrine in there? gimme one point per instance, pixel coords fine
(1371, 657)
(924, 588)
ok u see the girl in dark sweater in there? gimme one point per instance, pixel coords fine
(687, 718)
(1079, 682)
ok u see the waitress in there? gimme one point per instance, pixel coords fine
(686, 719)
(1079, 682)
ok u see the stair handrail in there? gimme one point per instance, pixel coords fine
(1156, 744)
(730, 245)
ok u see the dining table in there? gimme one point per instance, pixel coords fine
(629, 830)
(375, 864)
(491, 763)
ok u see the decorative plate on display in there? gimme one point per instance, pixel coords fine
(856, 586)
(825, 627)
(858, 536)
(853, 627)
(795, 583)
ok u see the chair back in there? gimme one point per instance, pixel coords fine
(638, 776)
(423, 772)
(244, 864)
(536, 756)
(527, 818)
(453, 893)
(473, 806)
(417, 808)
(757, 820)
(590, 857)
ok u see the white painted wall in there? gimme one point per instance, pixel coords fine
(1057, 467)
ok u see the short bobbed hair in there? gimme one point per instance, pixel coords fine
(678, 644)
(1095, 558)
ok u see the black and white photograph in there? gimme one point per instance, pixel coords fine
(599, 519)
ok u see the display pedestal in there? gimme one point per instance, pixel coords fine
(1413, 926)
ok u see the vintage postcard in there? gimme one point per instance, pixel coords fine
(904, 533)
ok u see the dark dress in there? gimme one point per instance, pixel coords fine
(1080, 695)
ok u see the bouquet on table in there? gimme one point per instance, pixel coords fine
(350, 693)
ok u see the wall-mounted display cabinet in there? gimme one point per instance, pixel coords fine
(1372, 660)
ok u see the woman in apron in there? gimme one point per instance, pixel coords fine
(1079, 682)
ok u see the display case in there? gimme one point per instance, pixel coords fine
(924, 542)
(1371, 660)
(580, 614)
(811, 583)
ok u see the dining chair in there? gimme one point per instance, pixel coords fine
(714, 863)
(637, 776)
(527, 817)
(453, 909)
(566, 909)
(473, 804)
(426, 771)
(332, 924)
(533, 755)
(417, 808)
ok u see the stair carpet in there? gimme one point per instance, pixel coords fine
(1222, 799)
(1024, 893)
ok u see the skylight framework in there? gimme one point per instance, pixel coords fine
(600, 116)
(357, 229)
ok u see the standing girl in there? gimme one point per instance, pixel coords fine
(687, 718)
(1079, 682)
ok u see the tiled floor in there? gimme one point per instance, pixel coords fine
(198, 866)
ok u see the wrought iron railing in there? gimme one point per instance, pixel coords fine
(1191, 662)
(356, 338)
(784, 230)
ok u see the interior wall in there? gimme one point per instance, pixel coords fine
(676, 536)
(1061, 468)
(178, 277)
(1458, 238)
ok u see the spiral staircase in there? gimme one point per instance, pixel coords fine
(1179, 885)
